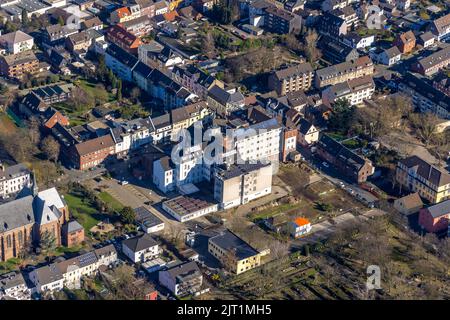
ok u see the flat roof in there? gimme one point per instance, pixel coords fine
(184, 205)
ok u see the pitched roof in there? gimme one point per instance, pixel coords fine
(16, 213)
(228, 241)
(440, 209)
(185, 270)
(411, 201)
(95, 144)
(140, 243)
(434, 175)
(293, 71)
(15, 37)
(442, 23)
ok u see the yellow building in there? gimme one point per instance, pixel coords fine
(184, 117)
(234, 253)
(417, 175)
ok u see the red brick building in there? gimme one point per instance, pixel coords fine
(72, 234)
(124, 39)
(436, 217)
(91, 153)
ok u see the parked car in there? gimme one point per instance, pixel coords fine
(123, 182)
(325, 164)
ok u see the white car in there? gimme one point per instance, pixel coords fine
(123, 182)
(325, 164)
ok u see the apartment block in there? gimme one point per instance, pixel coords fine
(291, 79)
(417, 175)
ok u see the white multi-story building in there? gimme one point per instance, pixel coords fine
(355, 91)
(13, 179)
(17, 41)
(140, 249)
(13, 286)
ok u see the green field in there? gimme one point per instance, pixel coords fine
(109, 199)
(82, 210)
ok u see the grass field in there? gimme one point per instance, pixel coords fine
(9, 265)
(83, 211)
(7, 126)
(105, 196)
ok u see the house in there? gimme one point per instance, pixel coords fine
(277, 223)
(405, 42)
(435, 218)
(345, 71)
(52, 116)
(348, 163)
(308, 134)
(241, 183)
(416, 175)
(185, 117)
(299, 227)
(329, 5)
(123, 39)
(72, 234)
(349, 15)
(148, 222)
(138, 27)
(196, 80)
(441, 27)
(120, 62)
(234, 253)
(288, 142)
(47, 278)
(426, 39)
(425, 96)
(335, 51)
(332, 25)
(141, 248)
(13, 179)
(294, 78)
(409, 204)
(121, 15)
(14, 287)
(357, 41)
(56, 34)
(223, 101)
(92, 23)
(182, 279)
(75, 268)
(387, 57)
(433, 63)
(355, 91)
(92, 152)
(17, 65)
(442, 83)
(17, 41)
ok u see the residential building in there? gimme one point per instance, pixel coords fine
(47, 278)
(140, 249)
(349, 15)
(56, 34)
(75, 268)
(138, 27)
(426, 39)
(299, 227)
(14, 287)
(357, 41)
(441, 27)
(416, 175)
(185, 117)
(17, 41)
(343, 72)
(387, 57)
(124, 39)
(435, 218)
(182, 280)
(120, 62)
(355, 91)
(308, 134)
(234, 253)
(425, 97)
(223, 101)
(17, 65)
(196, 80)
(241, 183)
(433, 63)
(332, 25)
(409, 204)
(90, 153)
(334, 51)
(13, 179)
(291, 79)
(288, 142)
(355, 167)
(121, 15)
(280, 21)
(405, 42)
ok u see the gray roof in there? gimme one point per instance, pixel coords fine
(145, 217)
(237, 170)
(228, 241)
(140, 243)
(440, 209)
(73, 226)
(224, 97)
(185, 270)
(80, 261)
(11, 280)
(48, 274)
(16, 213)
(14, 171)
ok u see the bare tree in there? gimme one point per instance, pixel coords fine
(51, 148)
(33, 130)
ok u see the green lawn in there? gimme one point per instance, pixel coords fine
(9, 265)
(106, 197)
(93, 91)
(82, 210)
(64, 250)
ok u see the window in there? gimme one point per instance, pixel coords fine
(8, 241)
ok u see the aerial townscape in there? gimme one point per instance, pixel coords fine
(224, 150)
